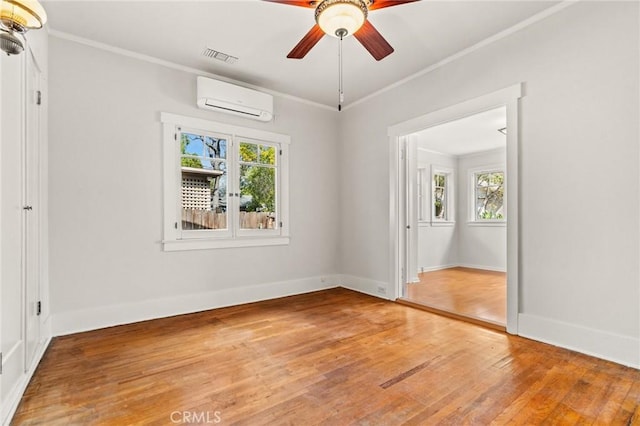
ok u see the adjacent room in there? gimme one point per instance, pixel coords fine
(457, 183)
(319, 212)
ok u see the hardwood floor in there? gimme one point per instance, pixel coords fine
(473, 293)
(333, 357)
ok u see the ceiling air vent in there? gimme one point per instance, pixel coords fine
(214, 54)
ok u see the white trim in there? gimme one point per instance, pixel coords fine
(151, 59)
(10, 404)
(483, 103)
(214, 243)
(602, 344)
(508, 97)
(500, 150)
(460, 265)
(489, 223)
(218, 127)
(482, 267)
(431, 151)
(489, 40)
(442, 223)
(107, 316)
(366, 286)
(423, 269)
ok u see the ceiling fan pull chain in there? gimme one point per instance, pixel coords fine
(340, 87)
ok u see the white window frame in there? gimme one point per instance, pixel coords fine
(174, 239)
(473, 219)
(449, 196)
(421, 192)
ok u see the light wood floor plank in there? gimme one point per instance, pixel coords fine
(473, 293)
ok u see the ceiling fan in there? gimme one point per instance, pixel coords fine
(341, 18)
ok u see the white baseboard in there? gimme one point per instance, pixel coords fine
(623, 350)
(461, 265)
(483, 267)
(435, 268)
(108, 316)
(10, 405)
(365, 285)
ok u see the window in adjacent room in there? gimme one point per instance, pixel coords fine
(488, 195)
(442, 195)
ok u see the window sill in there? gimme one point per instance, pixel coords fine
(210, 243)
(488, 223)
(443, 223)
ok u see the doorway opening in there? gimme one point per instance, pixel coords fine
(454, 210)
(458, 187)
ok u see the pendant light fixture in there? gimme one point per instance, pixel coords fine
(16, 18)
(341, 18)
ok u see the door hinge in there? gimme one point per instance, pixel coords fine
(39, 308)
(280, 152)
(38, 97)
(280, 224)
(175, 225)
(175, 136)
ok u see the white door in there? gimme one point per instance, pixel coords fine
(11, 179)
(31, 210)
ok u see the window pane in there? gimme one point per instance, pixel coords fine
(267, 155)
(258, 197)
(439, 204)
(204, 199)
(490, 195)
(191, 144)
(215, 147)
(204, 182)
(248, 152)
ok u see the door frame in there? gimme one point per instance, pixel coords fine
(508, 97)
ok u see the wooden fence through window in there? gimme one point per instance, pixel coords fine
(205, 219)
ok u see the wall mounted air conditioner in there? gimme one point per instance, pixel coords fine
(224, 97)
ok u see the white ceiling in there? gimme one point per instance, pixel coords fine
(476, 133)
(261, 34)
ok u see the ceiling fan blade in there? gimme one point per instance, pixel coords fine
(301, 3)
(373, 41)
(308, 41)
(379, 4)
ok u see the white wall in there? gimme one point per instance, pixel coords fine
(579, 117)
(482, 246)
(107, 265)
(437, 243)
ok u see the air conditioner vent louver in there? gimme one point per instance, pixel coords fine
(214, 54)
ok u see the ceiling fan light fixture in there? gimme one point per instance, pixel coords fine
(22, 15)
(340, 18)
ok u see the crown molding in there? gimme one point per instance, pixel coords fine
(151, 59)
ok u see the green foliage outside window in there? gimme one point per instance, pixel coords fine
(258, 176)
(489, 195)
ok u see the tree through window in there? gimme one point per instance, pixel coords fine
(489, 195)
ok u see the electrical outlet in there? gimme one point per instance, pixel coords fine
(382, 290)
